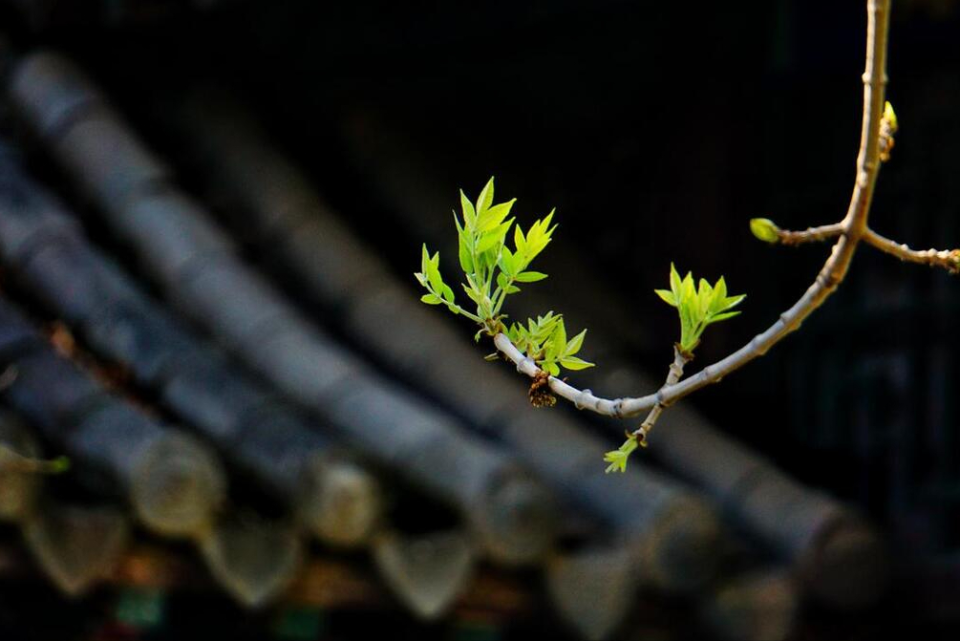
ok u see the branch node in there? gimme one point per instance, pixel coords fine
(522, 363)
(578, 402)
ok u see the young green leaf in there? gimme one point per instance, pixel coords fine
(575, 344)
(469, 213)
(530, 277)
(667, 296)
(486, 198)
(574, 364)
(721, 317)
(618, 458)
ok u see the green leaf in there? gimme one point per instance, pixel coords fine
(469, 214)
(493, 237)
(724, 316)
(675, 283)
(618, 458)
(464, 244)
(560, 338)
(466, 260)
(486, 197)
(472, 294)
(431, 299)
(519, 241)
(765, 230)
(574, 364)
(494, 216)
(530, 277)
(575, 344)
(704, 294)
(718, 299)
(733, 301)
(552, 369)
(434, 276)
(667, 296)
(506, 262)
(448, 293)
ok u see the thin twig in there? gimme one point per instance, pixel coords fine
(854, 226)
(811, 235)
(948, 259)
(680, 359)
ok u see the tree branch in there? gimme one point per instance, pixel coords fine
(811, 235)
(680, 359)
(947, 258)
(853, 226)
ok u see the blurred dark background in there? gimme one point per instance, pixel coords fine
(657, 130)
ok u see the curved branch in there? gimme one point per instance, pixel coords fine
(853, 225)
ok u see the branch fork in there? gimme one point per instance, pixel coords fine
(878, 126)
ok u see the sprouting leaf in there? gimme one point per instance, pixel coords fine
(486, 198)
(697, 305)
(495, 236)
(530, 277)
(733, 301)
(675, 283)
(723, 316)
(469, 213)
(433, 275)
(560, 338)
(890, 116)
(494, 216)
(718, 299)
(506, 262)
(575, 344)
(765, 230)
(667, 296)
(466, 260)
(574, 363)
(519, 241)
(448, 293)
(618, 458)
(492, 271)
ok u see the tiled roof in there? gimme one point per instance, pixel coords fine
(246, 425)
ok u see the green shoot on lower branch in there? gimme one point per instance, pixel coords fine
(618, 458)
(492, 271)
(698, 306)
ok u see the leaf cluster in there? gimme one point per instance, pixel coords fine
(545, 341)
(491, 268)
(699, 306)
(618, 457)
(492, 271)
